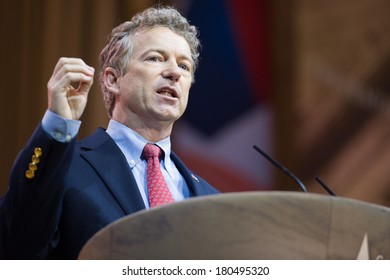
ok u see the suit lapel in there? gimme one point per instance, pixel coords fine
(193, 183)
(107, 159)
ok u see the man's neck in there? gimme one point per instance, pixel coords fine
(152, 133)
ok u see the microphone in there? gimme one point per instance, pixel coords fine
(325, 186)
(290, 174)
(281, 167)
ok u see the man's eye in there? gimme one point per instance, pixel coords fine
(184, 67)
(153, 58)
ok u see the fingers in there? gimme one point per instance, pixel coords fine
(65, 63)
(70, 70)
(63, 98)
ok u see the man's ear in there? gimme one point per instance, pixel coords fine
(110, 80)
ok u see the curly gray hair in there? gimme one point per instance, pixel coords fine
(117, 52)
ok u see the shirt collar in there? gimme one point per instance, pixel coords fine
(131, 143)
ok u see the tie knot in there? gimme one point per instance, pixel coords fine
(151, 150)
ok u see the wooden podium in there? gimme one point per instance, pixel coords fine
(249, 225)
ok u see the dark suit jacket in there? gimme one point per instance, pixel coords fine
(79, 188)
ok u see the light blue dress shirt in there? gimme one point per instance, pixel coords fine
(131, 144)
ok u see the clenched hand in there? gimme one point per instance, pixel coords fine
(68, 87)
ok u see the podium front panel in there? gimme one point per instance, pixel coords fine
(248, 225)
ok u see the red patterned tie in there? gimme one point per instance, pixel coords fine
(158, 191)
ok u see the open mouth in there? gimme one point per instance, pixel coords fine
(170, 92)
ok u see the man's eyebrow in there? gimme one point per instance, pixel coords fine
(155, 50)
(184, 58)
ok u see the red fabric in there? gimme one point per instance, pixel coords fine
(250, 20)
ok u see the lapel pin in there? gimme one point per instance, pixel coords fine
(194, 177)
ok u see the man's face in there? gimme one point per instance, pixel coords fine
(156, 85)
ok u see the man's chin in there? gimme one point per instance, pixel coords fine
(169, 115)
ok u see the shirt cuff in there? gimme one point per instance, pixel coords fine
(61, 129)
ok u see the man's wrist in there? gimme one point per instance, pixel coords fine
(60, 128)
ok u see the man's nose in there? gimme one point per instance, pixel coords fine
(172, 72)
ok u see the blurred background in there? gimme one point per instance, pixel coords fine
(308, 81)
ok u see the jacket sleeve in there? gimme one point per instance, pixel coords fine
(31, 208)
